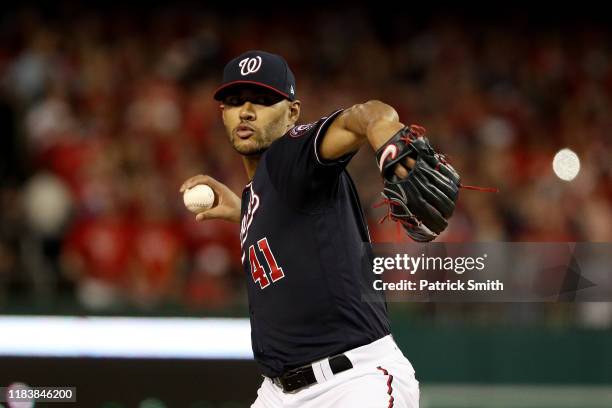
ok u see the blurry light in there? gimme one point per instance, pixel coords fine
(47, 203)
(566, 164)
(152, 403)
(21, 404)
(197, 338)
(497, 132)
(213, 259)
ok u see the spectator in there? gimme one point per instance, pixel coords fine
(120, 108)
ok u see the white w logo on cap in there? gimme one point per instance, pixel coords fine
(249, 65)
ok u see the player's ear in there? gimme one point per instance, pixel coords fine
(294, 111)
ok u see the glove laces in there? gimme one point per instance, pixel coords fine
(389, 216)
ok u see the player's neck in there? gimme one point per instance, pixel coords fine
(250, 165)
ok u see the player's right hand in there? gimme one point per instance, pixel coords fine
(226, 205)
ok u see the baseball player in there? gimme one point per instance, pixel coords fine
(317, 343)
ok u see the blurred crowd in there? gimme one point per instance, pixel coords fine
(105, 113)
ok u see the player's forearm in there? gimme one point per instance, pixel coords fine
(381, 124)
(373, 121)
(381, 121)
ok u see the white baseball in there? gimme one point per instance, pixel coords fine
(199, 198)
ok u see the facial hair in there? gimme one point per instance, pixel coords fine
(263, 139)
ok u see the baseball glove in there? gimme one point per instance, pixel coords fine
(424, 200)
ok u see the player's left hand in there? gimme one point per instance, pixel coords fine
(402, 169)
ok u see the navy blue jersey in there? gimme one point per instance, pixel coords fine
(302, 234)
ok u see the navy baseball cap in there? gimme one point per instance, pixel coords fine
(258, 68)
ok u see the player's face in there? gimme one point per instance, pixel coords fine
(255, 117)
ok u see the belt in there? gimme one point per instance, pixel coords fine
(301, 377)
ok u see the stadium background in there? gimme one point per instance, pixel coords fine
(105, 110)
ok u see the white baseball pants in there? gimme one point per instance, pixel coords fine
(381, 377)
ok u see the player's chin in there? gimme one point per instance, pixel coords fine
(248, 147)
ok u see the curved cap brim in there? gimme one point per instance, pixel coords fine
(223, 89)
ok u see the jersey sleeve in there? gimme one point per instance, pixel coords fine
(298, 173)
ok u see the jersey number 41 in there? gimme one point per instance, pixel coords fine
(257, 271)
